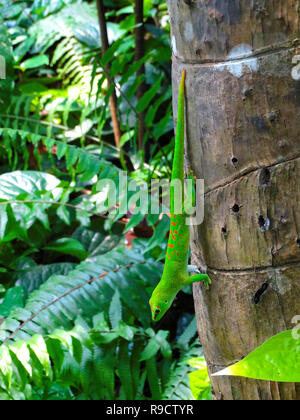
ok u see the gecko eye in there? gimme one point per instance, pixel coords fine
(166, 301)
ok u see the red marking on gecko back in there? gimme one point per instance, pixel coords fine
(171, 246)
(172, 234)
(173, 224)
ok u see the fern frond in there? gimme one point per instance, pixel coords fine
(177, 388)
(88, 165)
(49, 338)
(84, 290)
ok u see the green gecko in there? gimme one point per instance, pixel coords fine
(175, 275)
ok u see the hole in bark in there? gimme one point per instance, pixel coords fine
(247, 92)
(273, 116)
(265, 178)
(298, 242)
(224, 230)
(236, 208)
(261, 221)
(260, 292)
(264, 224)
(234, 160)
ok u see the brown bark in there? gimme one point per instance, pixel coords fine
(243, 109)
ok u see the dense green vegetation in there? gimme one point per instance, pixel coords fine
(75, 321)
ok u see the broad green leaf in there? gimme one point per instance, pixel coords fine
(278, 360)
(13, 299)
(30, 183)
(68, 246)
(34, 62)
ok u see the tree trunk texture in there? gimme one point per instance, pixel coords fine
(243, 126)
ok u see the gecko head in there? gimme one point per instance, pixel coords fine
(159, 306)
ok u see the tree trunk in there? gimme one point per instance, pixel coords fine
(243, 125)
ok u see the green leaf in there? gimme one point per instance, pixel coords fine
(277, 360)
(96, 240)
(153, 378)
(126, 137)
(189, 332)
(149, 95)
(38, 346)
(165, 347)
(115, 310)
(199, 380)
(30, 183)
(68, 246)
(135, 220)
(32, 278)
(3, 220)
(13, 299)
(150, 350)
(34, 62)
(160, 234)
(124, 370)
(125, 331)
